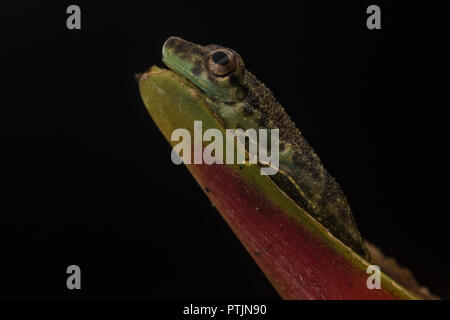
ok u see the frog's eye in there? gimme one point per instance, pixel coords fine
(221, 62)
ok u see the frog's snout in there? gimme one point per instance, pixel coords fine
(169, 44)
(173, 45)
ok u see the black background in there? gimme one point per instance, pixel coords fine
(86, 176)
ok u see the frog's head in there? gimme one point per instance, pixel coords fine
(216, 70)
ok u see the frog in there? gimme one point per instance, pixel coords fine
(239, 100)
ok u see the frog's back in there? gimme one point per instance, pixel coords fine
(302, 176)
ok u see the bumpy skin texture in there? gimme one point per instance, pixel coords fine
(240, 100)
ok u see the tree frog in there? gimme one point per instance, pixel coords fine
(239, 100)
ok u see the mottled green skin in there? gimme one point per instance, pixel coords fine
(240, 100)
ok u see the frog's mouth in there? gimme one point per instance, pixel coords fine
(177, 66)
